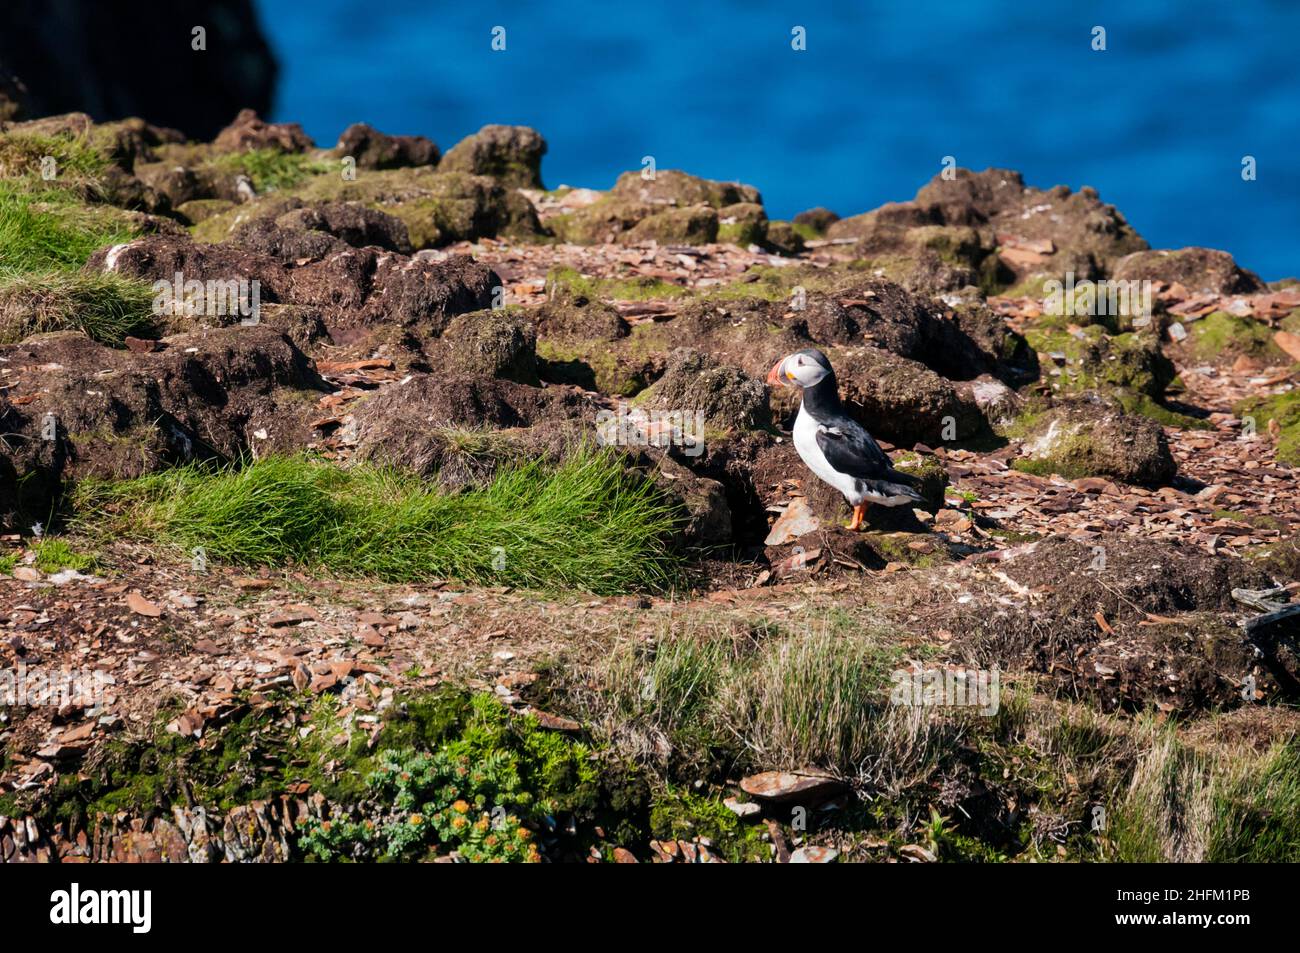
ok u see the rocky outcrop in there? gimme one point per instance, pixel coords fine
(903, 400)
(80, 409)
(671, 207)
(357, 290)
(373, 149)
(967, 217)
(1199, 270)
(249, 131)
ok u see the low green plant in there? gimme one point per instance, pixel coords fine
(53, 555)
(481, 794)
(270, 169)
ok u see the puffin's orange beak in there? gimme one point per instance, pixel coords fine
(774, 376)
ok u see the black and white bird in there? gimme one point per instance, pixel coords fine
(833, 444)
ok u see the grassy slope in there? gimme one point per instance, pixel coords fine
(48, 229)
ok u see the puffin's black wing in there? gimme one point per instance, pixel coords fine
(850, 449)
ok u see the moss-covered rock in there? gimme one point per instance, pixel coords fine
(674, 188)
(1092, 436)
(605, 220)
(510, 154)
(180, 184)
(728, 398)
(354, 223)
(816, 220)
(903, 400)
(200, 210)
(743, 224)
(1130, 368)
(1282, 408)
(492, 343)
(1075, 230)
(930, 473)
(783, 238)
(438, 207)
(693, 225)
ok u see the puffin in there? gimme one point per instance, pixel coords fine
(833, 445)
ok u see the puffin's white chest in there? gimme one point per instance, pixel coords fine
(805, 442)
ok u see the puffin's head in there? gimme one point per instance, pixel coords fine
(800, 369)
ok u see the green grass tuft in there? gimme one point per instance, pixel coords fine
(586, 524)
(271, 170)
(53, 231)
(54, 224)
(106, 307)
(762, 698)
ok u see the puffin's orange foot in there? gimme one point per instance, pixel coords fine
(859, 512)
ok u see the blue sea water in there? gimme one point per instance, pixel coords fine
(1158, 122)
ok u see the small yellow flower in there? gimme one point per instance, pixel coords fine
(458, 822)
(460, 807)
(417, 818)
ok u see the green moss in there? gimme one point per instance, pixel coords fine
(53, 555)
(1285, 409)
(1128, 367)
(1144, 405)
(592, 365)
(743, 234)
(893, 547)
(1260, 520)
(1046, 467)
(1221, 333)
(567, 281)
(198, 211)
(928, 471)
(1030, 287)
